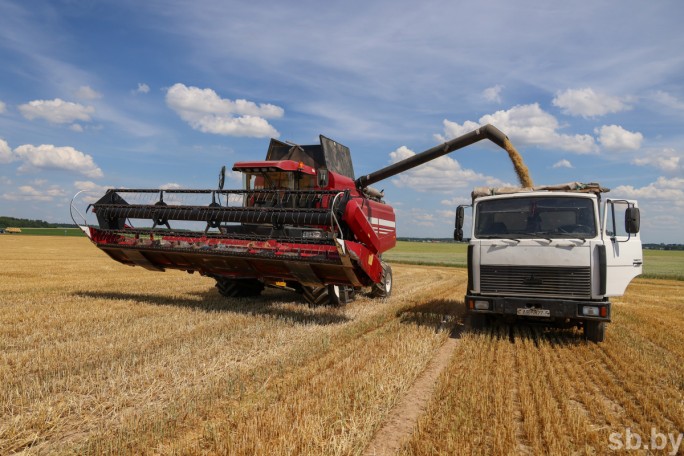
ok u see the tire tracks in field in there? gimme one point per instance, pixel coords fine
(522, 444)
(316, 365)
(403, 417)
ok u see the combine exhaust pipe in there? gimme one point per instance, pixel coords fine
(486, 132)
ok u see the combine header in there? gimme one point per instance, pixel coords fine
(301, 222)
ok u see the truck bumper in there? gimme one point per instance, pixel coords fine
(539, 308)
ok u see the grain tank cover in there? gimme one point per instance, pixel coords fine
(591, 187)
(328, 154)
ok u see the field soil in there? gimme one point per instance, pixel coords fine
(101, 358)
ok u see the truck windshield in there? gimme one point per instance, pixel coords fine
(529, 217)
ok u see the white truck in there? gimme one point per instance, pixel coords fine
(550, 254)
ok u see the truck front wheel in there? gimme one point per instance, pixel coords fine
(595, 331)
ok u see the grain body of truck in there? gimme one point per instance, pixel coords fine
(550, 254)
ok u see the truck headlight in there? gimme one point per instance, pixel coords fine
(482, 305)
(590, 311)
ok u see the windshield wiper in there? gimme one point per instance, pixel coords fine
(496, 236)
(537, 234)
(573, 236)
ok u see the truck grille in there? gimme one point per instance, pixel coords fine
(536, 281)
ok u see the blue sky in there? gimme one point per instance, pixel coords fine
(95, 94)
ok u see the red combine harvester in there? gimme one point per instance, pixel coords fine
(301, 222)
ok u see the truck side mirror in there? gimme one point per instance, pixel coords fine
(458, 229)
(322, 177)
(632, 220)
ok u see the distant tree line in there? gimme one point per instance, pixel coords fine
(6, 222)
(663, 246)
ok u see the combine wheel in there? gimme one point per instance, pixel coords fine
(332, 295)
(239, 288)
(383, 289)
(595, 331)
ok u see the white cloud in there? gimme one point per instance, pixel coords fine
(587, 103)
(76, 127)
(47, 156)
(614, 137)
(87, 93)
(662, 190)
(56, 111)
(454, 130)
(667, 160)
(417, 216)
(442, 174)
(6, 155)
(668, 100)
(447, 214)
(455, 201)
(170, 186)
(493, 93)
(662, 206)
(205, 111)
(675, 182)
(562, 164)
(90, 186)
(3, 107)
(30, 193)
(142, 88)
(525, 125)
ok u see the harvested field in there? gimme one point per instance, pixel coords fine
(101, 358)
(528, 391)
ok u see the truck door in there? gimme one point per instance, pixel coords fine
(624, 256)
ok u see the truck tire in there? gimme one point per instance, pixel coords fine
(595, 331)
(331, 295)
(383, 289)
(239, 288)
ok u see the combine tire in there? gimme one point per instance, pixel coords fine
(239, 288)
(330, 295)
(595, 331)
(383, 289)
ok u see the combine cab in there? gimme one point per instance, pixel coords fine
(298, 223)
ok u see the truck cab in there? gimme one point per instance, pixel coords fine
(551, 254)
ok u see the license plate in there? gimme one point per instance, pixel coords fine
(532, 312)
